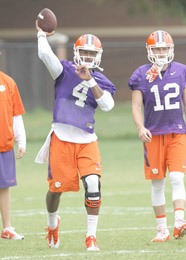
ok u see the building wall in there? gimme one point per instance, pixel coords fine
(85, 13)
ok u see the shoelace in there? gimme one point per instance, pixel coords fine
(179, 223)
(161, 232)
(91, 242)
(50, 234)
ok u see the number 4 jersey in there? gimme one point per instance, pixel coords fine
(162, 99)
(74, 102)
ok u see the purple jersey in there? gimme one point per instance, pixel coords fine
(74, 102)
(162, 99)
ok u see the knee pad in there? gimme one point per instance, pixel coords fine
(92, 191)
(177, 183)
(158, 196)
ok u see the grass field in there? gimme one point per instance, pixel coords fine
(126, 223)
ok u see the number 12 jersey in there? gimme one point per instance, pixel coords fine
(162, 98)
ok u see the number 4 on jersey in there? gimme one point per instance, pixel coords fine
(80, 91)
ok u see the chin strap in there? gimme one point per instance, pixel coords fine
(101, 69)
(153, 72)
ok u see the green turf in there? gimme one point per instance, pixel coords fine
(116, 124)
(126, 223)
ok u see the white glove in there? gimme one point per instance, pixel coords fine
(153, 72)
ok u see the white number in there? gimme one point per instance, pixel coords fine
(158, 106)
(168, 97)
(168, 105)
(81, 95)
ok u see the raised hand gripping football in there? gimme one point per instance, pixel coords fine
(47, 20)
(39, 29)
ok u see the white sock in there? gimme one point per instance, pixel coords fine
(7, 228)
(52, 219)
(92, 221)
(162, 221)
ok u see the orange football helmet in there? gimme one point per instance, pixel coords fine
(88, 42)
(160, 39)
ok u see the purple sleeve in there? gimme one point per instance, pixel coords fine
(134, 80)
(103, 82)
(138, 78)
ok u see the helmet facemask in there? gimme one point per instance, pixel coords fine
(160, 58)
(90, 61)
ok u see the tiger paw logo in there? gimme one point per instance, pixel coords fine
(57, 184)
(2, 88)
(155, 171)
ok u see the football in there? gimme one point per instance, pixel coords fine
(47, 20)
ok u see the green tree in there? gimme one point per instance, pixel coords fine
(162, 7)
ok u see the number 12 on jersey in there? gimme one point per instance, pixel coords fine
(168, 105)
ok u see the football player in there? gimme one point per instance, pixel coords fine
(160, 88)
(79, 90)
(12, 129)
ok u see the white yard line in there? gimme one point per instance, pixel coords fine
(81, 210)
(98, 230)
(121, 252)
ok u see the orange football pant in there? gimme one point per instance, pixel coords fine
(164, 151)
(68, 162)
